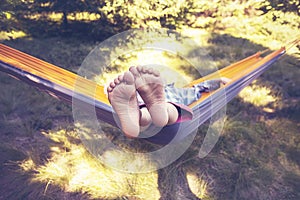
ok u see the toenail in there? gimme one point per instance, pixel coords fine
(120, 77)
(116, 81)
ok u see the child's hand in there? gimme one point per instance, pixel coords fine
(225, 80)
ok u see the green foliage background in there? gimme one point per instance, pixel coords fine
(120, 15)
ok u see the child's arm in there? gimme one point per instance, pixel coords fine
(211, 85)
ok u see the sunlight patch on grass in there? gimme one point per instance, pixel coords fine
(11, 35)
(198, 186)
(260, 31)
(200, 36)
(8, 15)
(260, 28)
(56, 16)
(83, 16)
(172, 54)
(256, 95)
(169, 66)
(27, 165)
(73, 169)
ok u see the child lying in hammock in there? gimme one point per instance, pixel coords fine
(139, 98)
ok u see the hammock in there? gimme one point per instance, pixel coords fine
(60, 83)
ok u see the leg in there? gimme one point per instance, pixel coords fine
(122, 96)
(150, 86)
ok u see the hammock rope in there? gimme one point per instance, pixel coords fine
(60, 83)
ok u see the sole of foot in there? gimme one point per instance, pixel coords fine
(150, 86)
(122, 97)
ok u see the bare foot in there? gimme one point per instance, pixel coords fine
(150, 86)
(122, 96)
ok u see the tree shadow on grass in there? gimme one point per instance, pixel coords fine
(17, 183)
(83, 30)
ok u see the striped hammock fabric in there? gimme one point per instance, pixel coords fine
(60, 83)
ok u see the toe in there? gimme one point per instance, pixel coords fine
(139, 69)
(109, 89)
(144, 70)
(117, 82)
(155, 72)
(149, 70)
(112, 85)
(128, 78)
(120, 78)
(134, 71)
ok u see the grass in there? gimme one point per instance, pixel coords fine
(71, 167)
(11, 35)
(198, 186)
